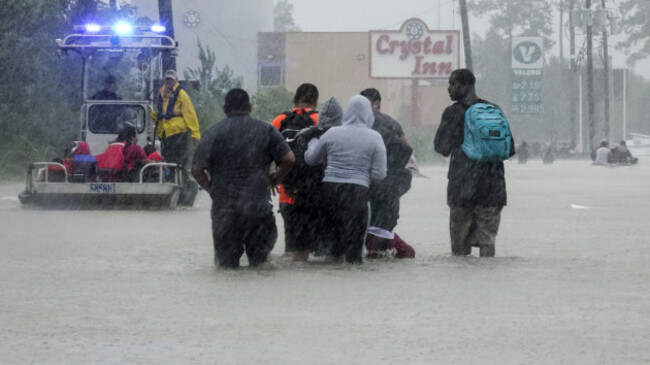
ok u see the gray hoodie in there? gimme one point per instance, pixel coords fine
(330, 114)
(355, 153)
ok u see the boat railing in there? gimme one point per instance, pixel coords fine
(43, 175)
(178, 177)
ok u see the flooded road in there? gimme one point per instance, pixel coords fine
(570, 284)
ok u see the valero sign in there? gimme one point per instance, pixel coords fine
(528, 53)
(527, 81)
(414, 51)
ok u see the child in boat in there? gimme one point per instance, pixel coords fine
(84, 164)
(152, 153)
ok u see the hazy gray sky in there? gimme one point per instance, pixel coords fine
(365, 15)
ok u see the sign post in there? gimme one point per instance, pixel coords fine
(415, 103)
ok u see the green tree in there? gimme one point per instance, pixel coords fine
(36, 89)
(39, 93)
(268, 103)
(635, 15)
(492, 67)
(283, 17)
(214, 84)
(517, 18)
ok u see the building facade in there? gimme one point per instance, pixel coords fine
(338, 63)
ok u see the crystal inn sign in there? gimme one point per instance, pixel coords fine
(414, 52)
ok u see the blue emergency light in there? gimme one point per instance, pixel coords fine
(157, 28)
(120, 28)
(93, 28)
(123, 28)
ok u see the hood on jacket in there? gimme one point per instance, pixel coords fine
(359, 112)
(330, 114)
(82, 148)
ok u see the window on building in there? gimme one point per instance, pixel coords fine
(270, 75)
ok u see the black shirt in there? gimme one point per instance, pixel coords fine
(398, 152)
(237, 152)
(105, 95)
(388, 122)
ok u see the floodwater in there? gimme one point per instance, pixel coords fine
(570, 284)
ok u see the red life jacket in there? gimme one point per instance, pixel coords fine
(112, 158)
(155, 156)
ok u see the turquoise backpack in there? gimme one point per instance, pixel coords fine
(487, 133)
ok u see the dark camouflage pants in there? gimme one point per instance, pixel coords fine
(477, 226)
(176, 149)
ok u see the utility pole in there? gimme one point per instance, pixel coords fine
(167, 21)
(606, 76)
(574, 67)
(562, 33)
(466, 35)
(590, 82)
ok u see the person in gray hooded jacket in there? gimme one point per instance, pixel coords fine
(330, 114)
(306, 185)
(355, 156)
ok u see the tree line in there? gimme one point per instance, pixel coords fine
(557, 120)
(40, 94)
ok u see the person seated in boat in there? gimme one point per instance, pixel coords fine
(84, 165)
(152, 175)
(152, 153)
(622, 155)
(134, 156)
(56, 173)
(110, 164)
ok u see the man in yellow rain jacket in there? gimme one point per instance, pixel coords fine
(178, 129)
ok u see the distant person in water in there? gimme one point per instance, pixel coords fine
(523, 152)
(549, 155)
(622, 155)
(602, 154)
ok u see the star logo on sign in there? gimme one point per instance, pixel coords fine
(414, 31)
(191, 19)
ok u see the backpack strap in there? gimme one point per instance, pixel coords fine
(169, 113)
(283, 123)
(309, 112)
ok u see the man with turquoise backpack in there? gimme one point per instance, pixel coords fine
(475, 134)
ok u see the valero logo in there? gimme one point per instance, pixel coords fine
(527, 52)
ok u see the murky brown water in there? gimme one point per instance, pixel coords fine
(569, 285)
